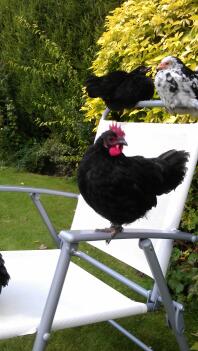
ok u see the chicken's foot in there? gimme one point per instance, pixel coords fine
(114, 229)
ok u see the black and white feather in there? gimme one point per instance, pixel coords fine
(177, 86)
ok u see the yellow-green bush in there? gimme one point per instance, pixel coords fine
(145, 32)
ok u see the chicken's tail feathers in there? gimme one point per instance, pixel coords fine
(93, 86)
(174, 168)
(175, 157)
(4, 276)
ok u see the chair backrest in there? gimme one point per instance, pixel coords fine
(149, 140)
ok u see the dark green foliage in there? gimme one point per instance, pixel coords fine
(190, 215)
(52, 157)
(183, 272)
(46, 49)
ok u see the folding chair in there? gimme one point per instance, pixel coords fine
(145, 245)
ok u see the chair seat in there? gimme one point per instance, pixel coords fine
(22, 301)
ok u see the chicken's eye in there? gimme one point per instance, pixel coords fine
(112, 140)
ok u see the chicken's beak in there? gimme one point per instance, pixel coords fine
(148, 69)
(121, 141)
(160, 67)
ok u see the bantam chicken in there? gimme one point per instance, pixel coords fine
(177, 86)
(4, 276)
(120, 90)
(120, 188)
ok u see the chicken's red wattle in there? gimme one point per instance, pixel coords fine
(115, 150)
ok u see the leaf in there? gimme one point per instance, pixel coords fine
(195, 346)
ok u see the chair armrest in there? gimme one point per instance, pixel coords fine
(30, 190)
(34, 194)
(75, 236)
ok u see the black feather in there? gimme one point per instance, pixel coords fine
(172, 164)
(4, 276)
(120, 89)
(122, 189)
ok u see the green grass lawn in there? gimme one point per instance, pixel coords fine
(22, 228)
(28, 231)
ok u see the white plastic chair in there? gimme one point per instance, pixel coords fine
(25, 305)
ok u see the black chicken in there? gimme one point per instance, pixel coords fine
(4, 276)
(177, 86)
(120, 188)
(120, 89)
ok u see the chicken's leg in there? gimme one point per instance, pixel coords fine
(114, 229)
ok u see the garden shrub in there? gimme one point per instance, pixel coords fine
(46, 49)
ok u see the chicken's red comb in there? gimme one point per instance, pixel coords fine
(117, 129)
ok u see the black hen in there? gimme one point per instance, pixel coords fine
(177, 86)
(120, 89)
(120, 188)
(4, 276)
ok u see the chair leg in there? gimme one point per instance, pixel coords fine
(174, 316)
(43, 332)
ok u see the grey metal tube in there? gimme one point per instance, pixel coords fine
(137, 288)
(130, 336)
(154, 297)
(150, 254)
(23, 189)
(150, 103)
(92, 235)
(34, 194)
(45, 218)
(44, 328)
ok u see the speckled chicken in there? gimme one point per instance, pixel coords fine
(120, 188)
(177, 86)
